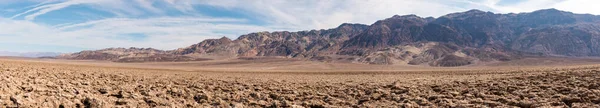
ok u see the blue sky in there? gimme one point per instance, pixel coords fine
(74, 25)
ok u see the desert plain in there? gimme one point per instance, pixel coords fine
(277, 82)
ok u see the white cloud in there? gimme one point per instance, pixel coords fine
(320, 14)
(122, 8)
(163, 33)
(43, 8)
(576, 6)
(580, 6)
(310, 14)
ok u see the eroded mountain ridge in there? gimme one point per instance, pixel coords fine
(455, 39)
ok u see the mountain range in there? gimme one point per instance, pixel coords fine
(455, 39)
(29, 54)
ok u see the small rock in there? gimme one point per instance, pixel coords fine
(151, 102)
(120, 94)
(121, 102)
(273, 96)
(103, 90)
(454, 93)
(396, 85)
(91, 103)
(15, 100)
(296, 106)
(570, 100)
(27, 88)
(262, 102)
(255, 95)
(237, 105)
(525, 104)
(317, 106)
(585, 105)
(145, 93)
(376, 96)
(201, 98)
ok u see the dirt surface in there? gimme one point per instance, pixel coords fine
(24, 83)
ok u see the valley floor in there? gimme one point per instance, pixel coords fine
(50, 83)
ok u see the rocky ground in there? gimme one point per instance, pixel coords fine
(28, 84)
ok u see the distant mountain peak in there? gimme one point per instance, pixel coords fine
(475, 11)
(351, 25)
(224, 38)
(549, 10)
(130, 48)
(412, 16)
(470, 13)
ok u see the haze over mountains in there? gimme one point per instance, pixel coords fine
(455, 39)
(29, 54)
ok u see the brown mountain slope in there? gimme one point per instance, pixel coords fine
(455, 39)
(129, 55)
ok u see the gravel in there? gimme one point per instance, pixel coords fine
(40, 85)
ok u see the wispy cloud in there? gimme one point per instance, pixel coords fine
(163, 33)
(43, 8)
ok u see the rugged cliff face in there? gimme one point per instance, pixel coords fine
(455, 39)
(303, 44)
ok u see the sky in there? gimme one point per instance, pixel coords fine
(75, 25)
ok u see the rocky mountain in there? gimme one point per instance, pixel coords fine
(128, 55)
(455, 39)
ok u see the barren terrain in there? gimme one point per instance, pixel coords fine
(557, 82)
